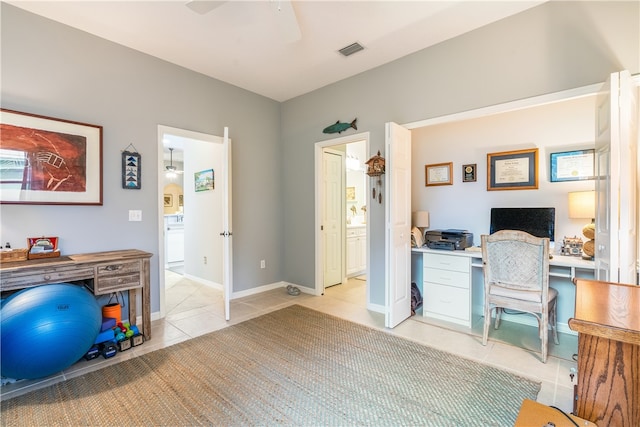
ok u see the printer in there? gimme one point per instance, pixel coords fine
(451, 239)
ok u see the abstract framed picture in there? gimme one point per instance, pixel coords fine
(131, 170)
(204, 180)
(512, 170)
(49, 161)
(575, 165)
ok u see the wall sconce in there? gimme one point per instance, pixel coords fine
(582, 204)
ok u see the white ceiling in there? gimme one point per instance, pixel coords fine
(248, 43)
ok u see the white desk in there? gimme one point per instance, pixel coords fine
(452, 285)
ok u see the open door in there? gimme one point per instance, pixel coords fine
(398, 229)
(333, 216)
(227, 261)
(616, 175)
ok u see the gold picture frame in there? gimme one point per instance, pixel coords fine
(438, 174)
(513, 170)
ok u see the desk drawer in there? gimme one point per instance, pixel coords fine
(35, 277)
(446, 277)
(447, 262)
(117, 276)
(446, 301)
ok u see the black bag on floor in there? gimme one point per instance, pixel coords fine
(416, 298)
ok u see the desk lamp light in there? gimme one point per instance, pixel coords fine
(420, 221)
(582, 204)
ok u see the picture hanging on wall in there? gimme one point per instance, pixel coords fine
(512, 170)
(575, 165)
(168, 200)
(204, 180)
(47, 161)
(438, 174)
(131, 169)
(469, 173)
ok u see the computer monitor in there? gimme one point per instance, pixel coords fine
(539, 222)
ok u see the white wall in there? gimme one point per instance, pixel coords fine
(551, 128)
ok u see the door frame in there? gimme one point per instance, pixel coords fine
(319, 200)
(188, 134)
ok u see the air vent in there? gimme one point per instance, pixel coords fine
(351, 49)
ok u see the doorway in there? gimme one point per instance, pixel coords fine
(351, 200)
(191, 216)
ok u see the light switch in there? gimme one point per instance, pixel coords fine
(135, 215)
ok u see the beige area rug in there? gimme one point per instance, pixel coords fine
(295, 366)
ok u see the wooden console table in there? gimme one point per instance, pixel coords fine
(101, 272)
(607, 319)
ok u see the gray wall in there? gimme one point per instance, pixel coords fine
(553, 47)
(50, 69)
(54, 70)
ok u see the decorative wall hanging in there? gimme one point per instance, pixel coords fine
(572, 165)
(438, 174)
(340, 127)
(131, 168)
(512, 170)
(204, 180)
(47, 161)
(375, 168)
(469, 173)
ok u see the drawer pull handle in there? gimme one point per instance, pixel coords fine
(120, 280)
(47, 277)
(444, 301)
(113, 267)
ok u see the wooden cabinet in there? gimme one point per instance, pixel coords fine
(101, 272)
(447, 287)
(607, 319)
(356, 251)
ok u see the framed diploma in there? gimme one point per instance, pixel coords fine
(438, 174)
(512, 170)
(572, 165)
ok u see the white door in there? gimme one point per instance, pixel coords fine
(616, 203)
(227, 249)
(332, 218)
(398, 230)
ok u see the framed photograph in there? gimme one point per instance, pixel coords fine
(572, 165)
(469, 173)
(204, 180)
(180, 200)
(351, 194)
(438, 174)
(47, 161)
(168, 200)
(512, 170)
(131, 170)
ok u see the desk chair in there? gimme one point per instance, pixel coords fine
(516, 277)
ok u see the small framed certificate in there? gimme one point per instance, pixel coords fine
(512, 170)
(572, 165)
(438, 174)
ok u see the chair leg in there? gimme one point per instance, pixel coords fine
(487, 321)
(545, 338)
(498, 313)
(554, 323)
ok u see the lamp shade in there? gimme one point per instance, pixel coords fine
(582, 204)
(420, 219)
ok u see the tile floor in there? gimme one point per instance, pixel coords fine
(194, 309)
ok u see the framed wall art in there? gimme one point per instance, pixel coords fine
(168, 200)
(469, 173)
(438, 174)
(575, 165)
(204, 180)
(48, 161)
(512, 170)
(131, 169)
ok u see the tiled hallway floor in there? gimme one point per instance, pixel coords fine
(194, 309)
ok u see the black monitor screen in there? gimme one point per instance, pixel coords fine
(539, 222)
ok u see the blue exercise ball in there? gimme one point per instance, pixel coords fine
(46, 329)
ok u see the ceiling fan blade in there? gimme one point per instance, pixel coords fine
(204, 6)
(287, 21)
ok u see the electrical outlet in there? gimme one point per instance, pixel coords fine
(263, 264)
(205, 260)
(135, 215)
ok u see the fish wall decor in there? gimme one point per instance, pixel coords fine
(340, 127)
